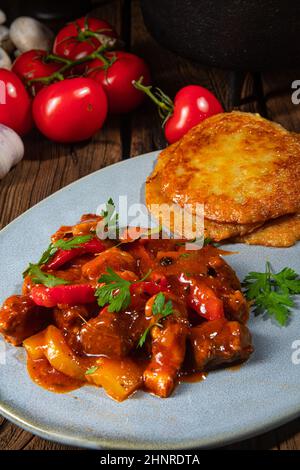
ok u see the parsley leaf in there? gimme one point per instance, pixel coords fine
(160, 309)
(110, 216)
(272, 292)
(143, 338)
(72, 243)
(184, 255)
(75, 242)
(40, 277)
(204, 241)
(115, 292)
(91, 370)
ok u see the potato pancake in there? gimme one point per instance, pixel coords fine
(214, 230)
(243, 168)
(282, 232)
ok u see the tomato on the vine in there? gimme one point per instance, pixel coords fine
(15, 103)
(31, 65)
(191, 105)
(70, 110)
(79, 38)
(116, 73)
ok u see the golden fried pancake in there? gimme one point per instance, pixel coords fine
(243, 168)
(214, 230)
(281, 232)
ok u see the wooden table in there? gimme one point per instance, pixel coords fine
(48, 166)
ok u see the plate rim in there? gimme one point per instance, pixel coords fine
(123, 444)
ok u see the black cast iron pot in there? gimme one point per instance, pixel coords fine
(233, 34)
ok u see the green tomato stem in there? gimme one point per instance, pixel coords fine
(164, 103)
(58, 75)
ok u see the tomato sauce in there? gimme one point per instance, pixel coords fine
(44, 375)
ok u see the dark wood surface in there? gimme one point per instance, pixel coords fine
(48, 166)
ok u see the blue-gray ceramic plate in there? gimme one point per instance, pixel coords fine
(229, 405)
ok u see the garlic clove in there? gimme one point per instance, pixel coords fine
(27, 33)
(4, 32)
(5, 62)
(11, 149)
(2, 17)
(5, 41)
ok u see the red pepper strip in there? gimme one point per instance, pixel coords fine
(205, 302)
(75, 294)
(61, 257)
(149, 287)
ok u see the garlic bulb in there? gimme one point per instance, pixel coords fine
(2, 17)
(27, 33)
(4, 32)
(5, 62)
(5, 41)
(11, 149)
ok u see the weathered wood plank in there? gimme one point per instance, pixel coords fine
(36, 443)
(278, 93)
(13, 437)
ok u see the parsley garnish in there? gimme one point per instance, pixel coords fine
(110, 216)
(58, 245)
(160, 309)
(272, 292)
(184, 255)
(40, 277)
(206, 241)
(72, 243)
(91, 370)
(116, 291)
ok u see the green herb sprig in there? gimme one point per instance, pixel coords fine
(160, 309)
(272, 292)
(40, 277)
(111, 216)
(116, 291)
(91, 370)
(66, 245)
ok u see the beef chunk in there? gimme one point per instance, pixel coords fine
(21, 318)
(112, 334)
(70, 319)
(220, 342)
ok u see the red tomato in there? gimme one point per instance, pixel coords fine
(75, 41)
(15, 103)
(192, 104)
(117, 79)
(31, 64)
(71, 110)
